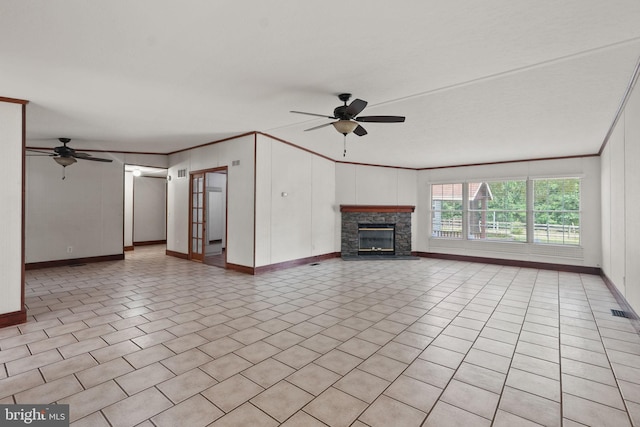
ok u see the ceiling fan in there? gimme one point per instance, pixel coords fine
(66, 156)
(346, 116)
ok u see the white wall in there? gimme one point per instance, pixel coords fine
(84, 212)
(295, 203)
(149, 209)
(217, 206)
(128, 209)
(621, 203)
(11, 208)
(240, 195)
(372, 185)
(588, 254)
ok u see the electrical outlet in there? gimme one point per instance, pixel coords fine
(69, 249)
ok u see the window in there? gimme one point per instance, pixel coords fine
(539, 211)
(446, 210)
(556, 211)
(498, 210)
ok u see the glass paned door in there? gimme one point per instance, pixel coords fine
(198, 221)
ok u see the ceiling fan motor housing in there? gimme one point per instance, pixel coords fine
(341, 113)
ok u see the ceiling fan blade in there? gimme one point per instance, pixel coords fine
(96, 159)
(360, 131)
(356, 107)
(38, 153)
(380, 119)
(313, 114)
(318, 127)
(87, 156)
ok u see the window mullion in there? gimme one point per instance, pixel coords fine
(530, 213)
(465, 211)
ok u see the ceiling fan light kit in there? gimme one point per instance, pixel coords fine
(65, 161)
(345, 126)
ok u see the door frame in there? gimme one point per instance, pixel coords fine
(195, 256)
(204, 173)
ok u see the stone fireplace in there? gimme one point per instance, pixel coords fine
(375, 230)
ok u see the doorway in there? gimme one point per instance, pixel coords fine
(208, 213)
(145, 206)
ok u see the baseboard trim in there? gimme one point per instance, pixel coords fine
(514, 263)
(150, 242)
(128, 248)
(13, 318)
(241, 268)
(176, 254)
(74, 261)
(622, 301)
(295, 262)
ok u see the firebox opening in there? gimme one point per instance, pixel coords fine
(376, 239)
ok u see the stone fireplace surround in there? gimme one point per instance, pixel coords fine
(353, 215)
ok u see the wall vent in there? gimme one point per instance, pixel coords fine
(618, 313)
(182, 173)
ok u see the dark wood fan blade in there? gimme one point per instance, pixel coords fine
(360, 131)
(318, 127)
(313, 114)
(96, 159)
(38, 153)
(356, 107)
(380, 119)
(86, 156)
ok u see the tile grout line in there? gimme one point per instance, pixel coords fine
(515, 346)
(373, 326)
(440, 333)
(560, 348)
(434, 338)
(287, 283)
(624, 401)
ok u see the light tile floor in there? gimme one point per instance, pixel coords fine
(159, 341)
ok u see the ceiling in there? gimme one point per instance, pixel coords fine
(478, 82)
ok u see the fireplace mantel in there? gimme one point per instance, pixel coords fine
(377, 208)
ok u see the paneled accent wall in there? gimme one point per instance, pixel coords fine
(620, 180)
(12, 309)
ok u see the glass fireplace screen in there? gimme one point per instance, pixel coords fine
(376, 238)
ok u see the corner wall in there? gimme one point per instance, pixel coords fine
(128, 209)
(11, 213)
(240, 206)
(84, 212)
(376, 185)
(295, 203)
(620, 180)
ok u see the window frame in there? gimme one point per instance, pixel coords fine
(432, 212)
(472, 212)
(557, 211)
(529, 212)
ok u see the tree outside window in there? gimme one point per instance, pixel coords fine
(556, 211)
